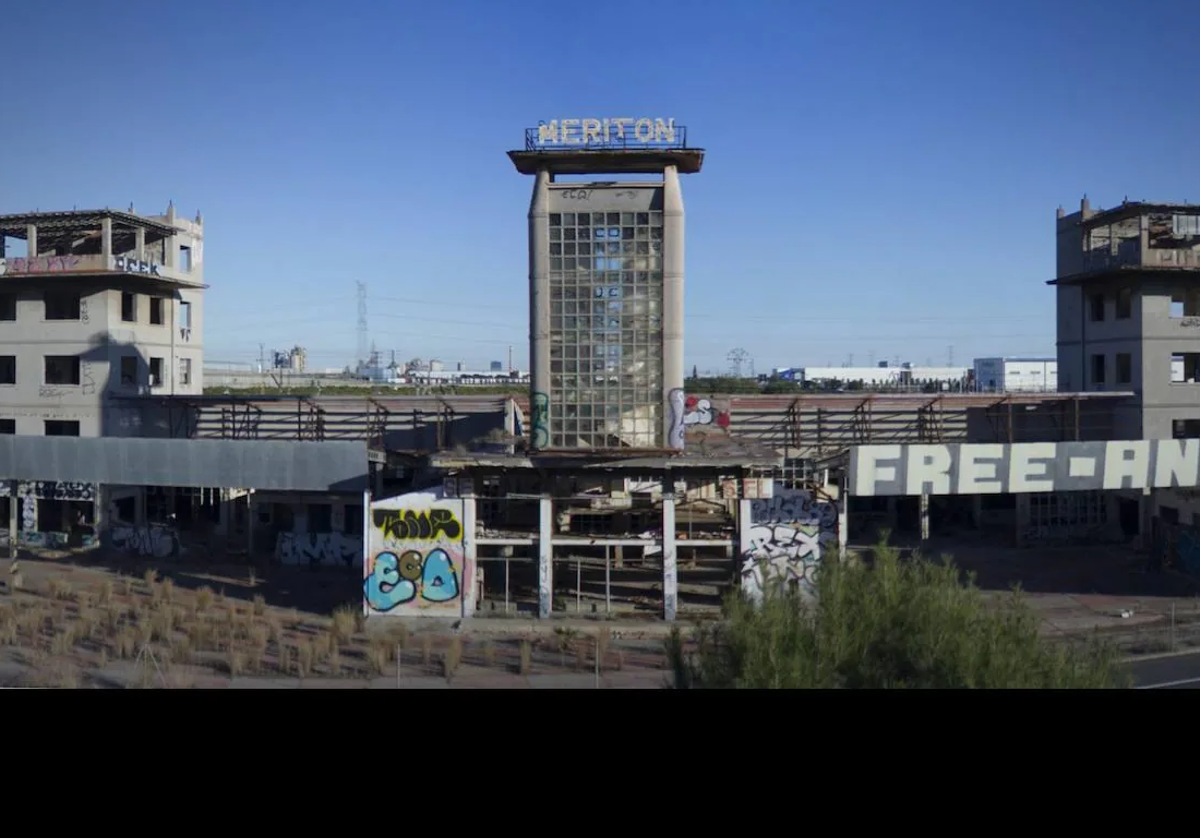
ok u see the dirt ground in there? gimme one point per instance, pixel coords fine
(1110, 589)
(84, 622)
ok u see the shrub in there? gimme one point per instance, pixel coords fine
(890, 624)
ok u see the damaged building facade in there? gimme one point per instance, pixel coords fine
(97, 308)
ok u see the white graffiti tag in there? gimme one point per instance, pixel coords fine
(789, 535)
(152, 541)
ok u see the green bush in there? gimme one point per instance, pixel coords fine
(889, 624)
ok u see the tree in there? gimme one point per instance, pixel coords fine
(887, 624)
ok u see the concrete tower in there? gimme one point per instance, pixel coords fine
(606, 271)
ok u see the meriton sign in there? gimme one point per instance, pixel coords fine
(965, 468)
(608, 131)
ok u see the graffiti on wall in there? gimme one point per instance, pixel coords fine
(416, 563)
(700, 411)
(789, 534)
(678, 403)
(40, 265)
(145, 541)
(75, 491)
(313, 549)
(539, 421)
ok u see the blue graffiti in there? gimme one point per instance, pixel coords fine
(398, 580)
(439, 583)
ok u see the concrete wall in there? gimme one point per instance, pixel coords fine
(420, 557)
(786, 538)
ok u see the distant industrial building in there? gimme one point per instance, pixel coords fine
(1016, 373)
(890, 376)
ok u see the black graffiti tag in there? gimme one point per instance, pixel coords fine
(414, 525)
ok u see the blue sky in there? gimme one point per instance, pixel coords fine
(880, 176)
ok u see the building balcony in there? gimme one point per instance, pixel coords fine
(93, 264)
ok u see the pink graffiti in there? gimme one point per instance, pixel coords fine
(40, 265)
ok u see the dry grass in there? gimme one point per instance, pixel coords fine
(235, 662)
(603, 642)
(285, 659)
(489, 654)
(525, 666)
(335, 662)
(59, 588)
(379, 654)
(127, 587)
(252, 577)
(344, 624)
(63, 642)
(150, 576)
(426, 650)
(204, 598)
(453, 658)
(105, 595)
(304, 659)
(259, 606)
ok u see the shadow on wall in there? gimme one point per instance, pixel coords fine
(789, 535)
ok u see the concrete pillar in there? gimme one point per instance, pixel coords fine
(106, 241)
(745, 521)
(251, 516)
(843, 524)
(539, 312)
(31, 240)
(100, 511)
(139, 508)
(139, 239)
(924, 512)
(669, 555)
(14, 519)
(977, 510)
(545, 545)
(470, 558)
(672, 314)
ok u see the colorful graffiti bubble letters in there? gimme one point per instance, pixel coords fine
(403, 525)
(399, 580)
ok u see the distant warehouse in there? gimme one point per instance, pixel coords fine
(1017, 373)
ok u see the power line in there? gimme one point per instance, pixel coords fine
(362, 321)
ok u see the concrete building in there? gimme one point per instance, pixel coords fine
(606, 277)
(101, 305)
(1016, 373)
(1129, 311)
(883, 375)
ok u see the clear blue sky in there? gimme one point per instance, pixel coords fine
(880, 176)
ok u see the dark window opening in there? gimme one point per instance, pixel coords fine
(62, 370)
(156, 371)
(1185, 429)
(62, 428)
(353, 523)
(1098, 369)
(1185, 368)
(320, 519)
(1124, 308)
(185, 258)
(1096, 304)
(156, 311)
(8, 370)
(8, 307)
(128, 306)
(62, 306)
(1185, 304)
(1124, 368)
(8, 426)
(185, 315)
(129, 370)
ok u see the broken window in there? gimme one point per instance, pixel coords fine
(8, 307)
(1124, 368)
(62, 370)
(156, 371)
(8, 370)
(1098, 369)
(128, 306)
(62, 428)
(1096, 305)
(1124, 307)
(129, 370)
(1185, 429)
(185, 371)
(62, 306)
(1185, 304)
(1185, 368)
(156, 311)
